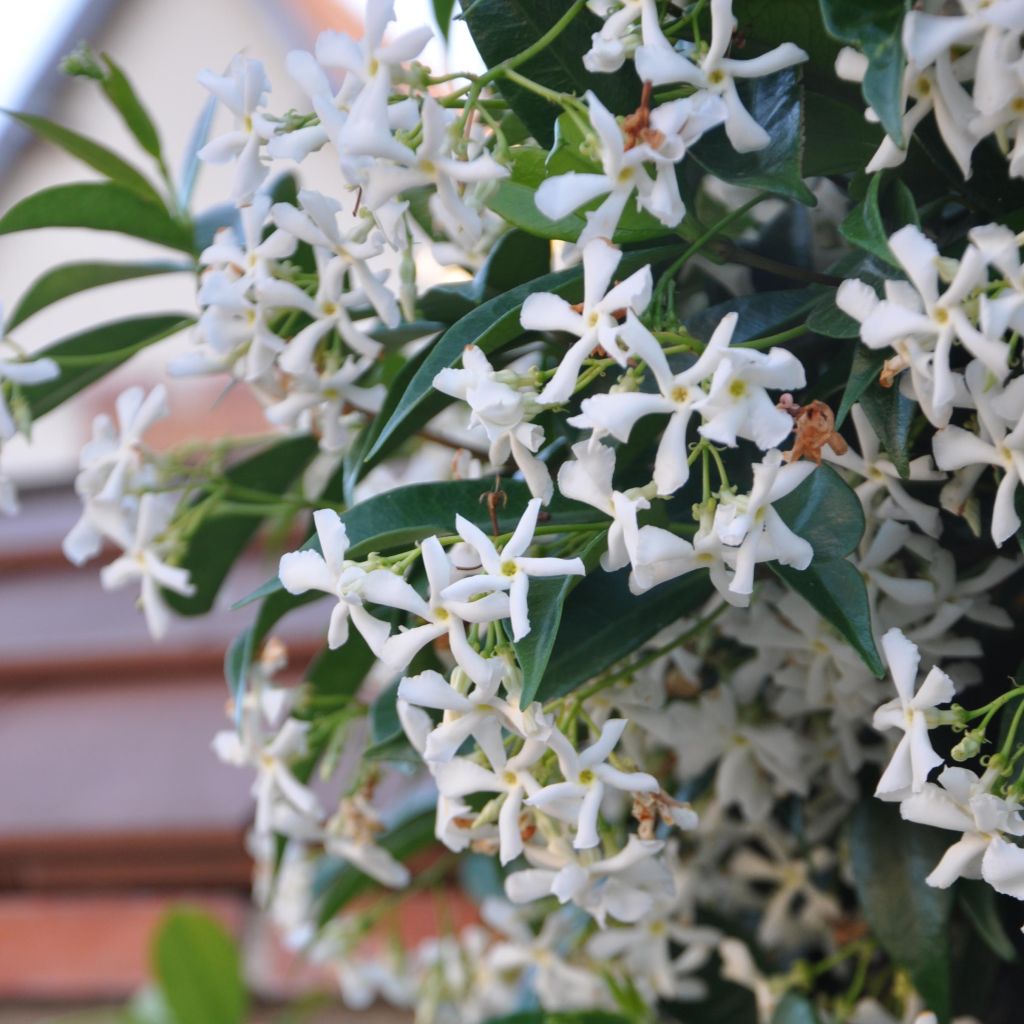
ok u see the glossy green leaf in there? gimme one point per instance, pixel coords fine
(865, 228)
(835, 589)
(824, 511)
(504, 28)
(443, 15)
(198, 970)
(546, 599)
(891, 415)
(874, 26)
(219, 540)
(96, 156)
(795, 1009)
(101, 206)
(776, 104)
(979, 902)
(760, 314)
(345, 882)
(890, 859)
(826, 319)
(866, 366)
(127, 103)
(490, 327)
(838, 139)
(602, 622)
(72, 278)
(109, 344)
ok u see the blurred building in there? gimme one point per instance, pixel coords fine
(113, 804)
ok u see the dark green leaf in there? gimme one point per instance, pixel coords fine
(776, 104)
(101, 206)
(93, 154)
(384, 722)
(795, 1009)
(864, 227)
(120, 92)
(217, 543)
(891, 415)
(835, 589)
(346, 882)
(867, 365)
(197, 967)
(516, 258)
(111, 343)
(72, 278)
(981, 905)
(545, 601)
(824, 511)
(874, 27)
(340, 673)
(838, 138)
(210, 221)
(890, 859)
(828, 320)
(760, 314)
(504, 28)
(602, 622)
(490, 327)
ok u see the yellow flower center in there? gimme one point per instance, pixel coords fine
(738, 388)
(586, 777)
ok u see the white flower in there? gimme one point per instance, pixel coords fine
(251, 257)
(1000, 444)
(879, 474)
(964, 803)
(283, 803)
(461, 777)
(588, 478)
(617, 38)
(913, 757)
(143, 562)
(737, 403)
(503, 410)
(595, 322)
(243, 90)
(511, 569)
(578, 798)
(21, 371)
(625, 886)
(443, 616)
(331, 573)
(750, 523)
(678, 394)
(658, 62)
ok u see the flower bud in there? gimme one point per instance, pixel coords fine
(969, 746)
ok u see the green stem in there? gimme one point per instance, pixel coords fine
(775, 339)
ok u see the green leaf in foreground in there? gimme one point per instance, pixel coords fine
(824, 511)
(93, 154)
(979, 902)
(71, 278)
(891, 415)
(219, 539)
(890, 859)
(197, 967)
(836, 590)
(94, 353)
(101, 206)
(127, 103)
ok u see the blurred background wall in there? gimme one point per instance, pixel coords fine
(112, 804)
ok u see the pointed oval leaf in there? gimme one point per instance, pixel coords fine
(101, 206)
(826, 512)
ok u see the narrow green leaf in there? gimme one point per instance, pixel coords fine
(110, 344)
(101, 206)
(191, 162)
(198, 969)
(93, 154)
(979, 902)
(891, 415)
(874, 27)
(836, 590)
(490, 327)
(824, 511)
(760, 314)
(866, 366)
(345, 881)
(120, 92)
(72, 278)
(602, 622)
(775, 102)
(544, 603)
(443, 15)
(219, 540)
(838, 138)
(890, 859)
(864, 227)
